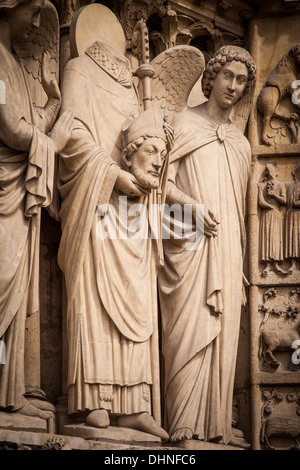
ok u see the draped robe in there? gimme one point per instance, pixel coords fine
(272, 223)
(201, 291)
(111, 282)
(26, 184)
(292, 222)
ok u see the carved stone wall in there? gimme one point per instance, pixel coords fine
(270, 321)
(273, 262)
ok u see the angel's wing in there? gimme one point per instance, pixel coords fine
(46, 38)
(176, 70)
(241, 111)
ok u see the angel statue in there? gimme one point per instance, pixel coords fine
(201, 290)
(113, 181)
(29, 141)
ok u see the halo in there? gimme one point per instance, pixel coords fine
(92, 23)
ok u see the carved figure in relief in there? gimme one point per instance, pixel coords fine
(201, 290)
(271, 200)
(292, 221)
(280, 84)
(279, 340)
(285, 422)
(27, 158)
(279, 333)
(281, 426)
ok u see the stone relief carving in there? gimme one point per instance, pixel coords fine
(207, 145)
(280, 327)
(176, 30)
(278, 102)
(271, 199)
(285, 424)
(55, 443)
(69, 7)
(33, 69)
(30, 140)
(278, 221)
(132, 11)
(292, 219)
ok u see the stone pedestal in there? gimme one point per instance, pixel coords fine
(111, 433)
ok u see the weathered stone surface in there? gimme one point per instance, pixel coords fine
(112, 433)
(16, 421)
(43, 440)
(34, 324)
(201, 445)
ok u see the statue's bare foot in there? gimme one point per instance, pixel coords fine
(142, 422)
(292, 268)
(265, 271)
(181, 434)
(30, 410)
(238, 439)
(279, 269)
(98, 419)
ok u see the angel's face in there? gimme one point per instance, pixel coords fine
(147, 161)
(229, 84)
(24, 19)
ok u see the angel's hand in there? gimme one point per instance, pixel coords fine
(61, 131)
(210, 222)
(49, 83)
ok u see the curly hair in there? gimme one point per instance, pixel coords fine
(133, 146)
(221, 57)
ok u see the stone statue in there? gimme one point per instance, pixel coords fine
(201, 290)
(292, 247)
(113, 172)
(27, 159)
(281, 83)
(271, 199)
(110, 280)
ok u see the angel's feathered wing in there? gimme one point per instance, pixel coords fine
(241, 111)
(46, 38)
(176, 70)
